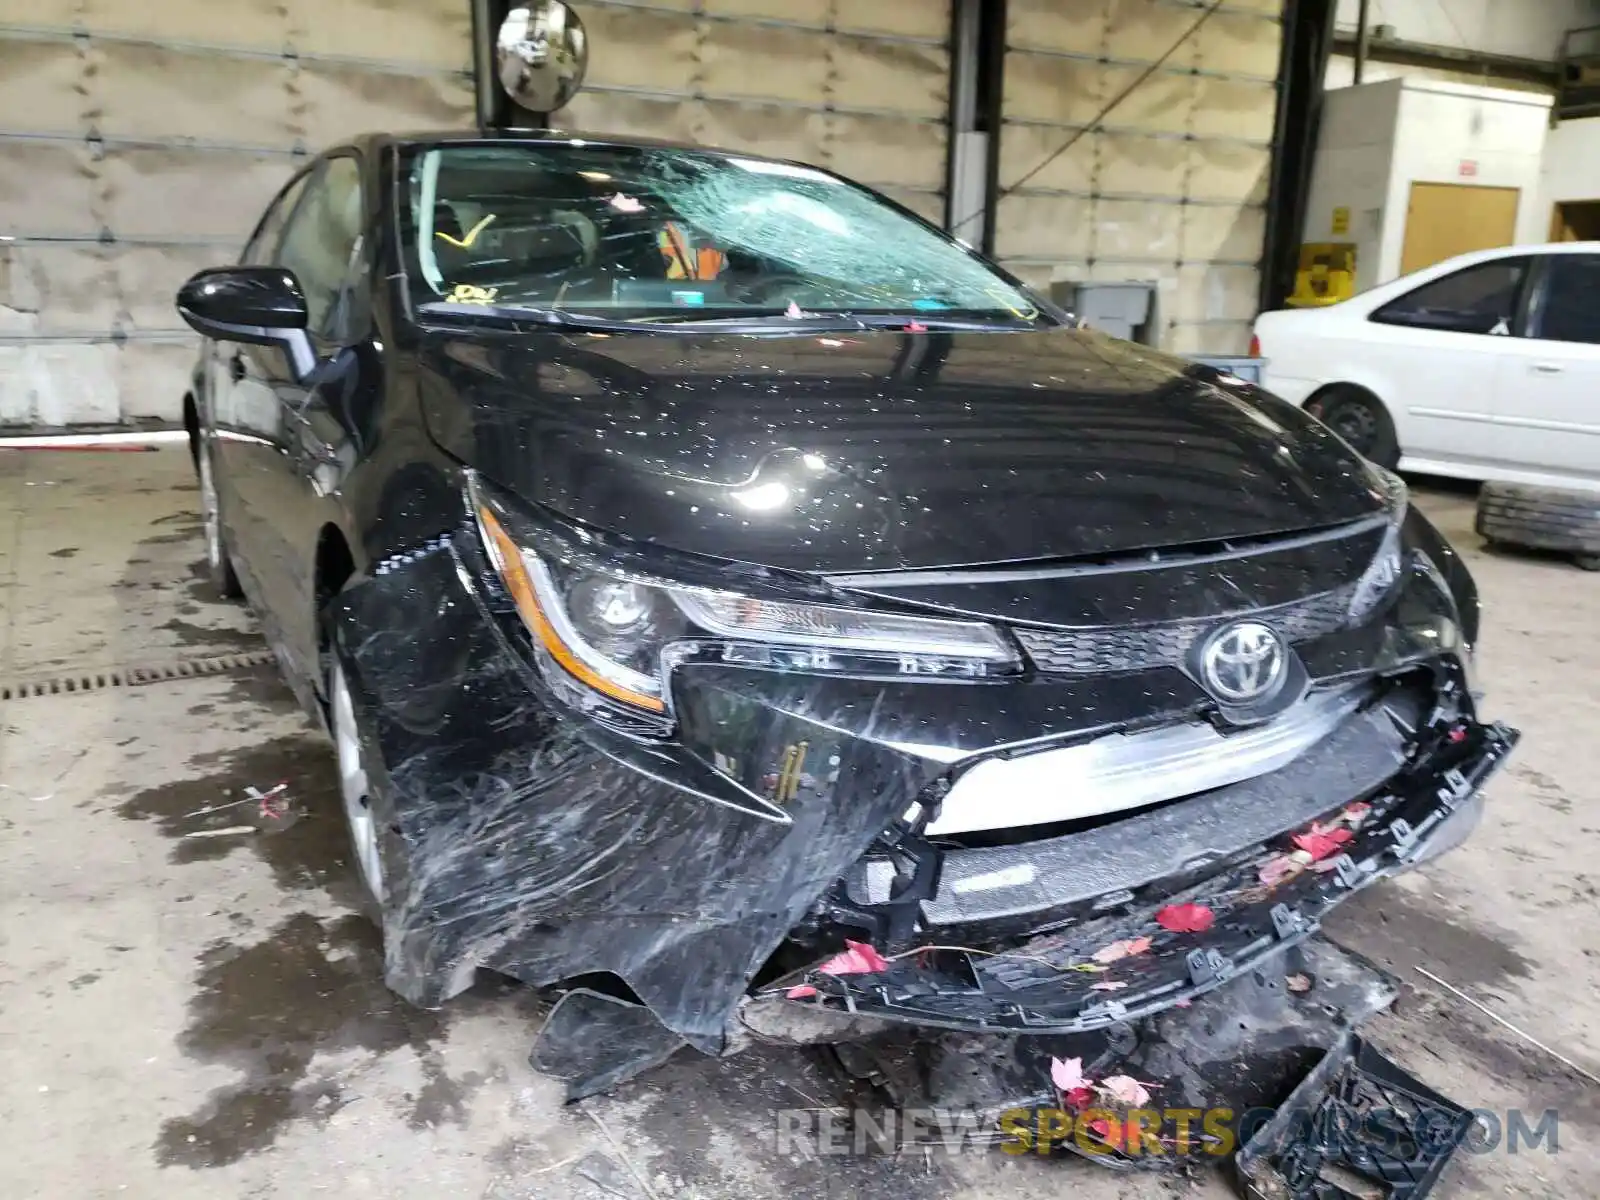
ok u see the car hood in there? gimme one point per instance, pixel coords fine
(871, 451)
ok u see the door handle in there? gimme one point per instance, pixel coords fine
(236, 368)
(1547, 368)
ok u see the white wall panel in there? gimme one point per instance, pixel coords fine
(261, 23)
(857, 85)
(147, 91)
(140, 141)
(1170, 186)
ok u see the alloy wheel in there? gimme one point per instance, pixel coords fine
(1356, 423)
(208, 510)
(353, 786)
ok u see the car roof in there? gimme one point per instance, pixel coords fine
(1521, 248)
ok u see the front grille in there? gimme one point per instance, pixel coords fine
(1106, 649)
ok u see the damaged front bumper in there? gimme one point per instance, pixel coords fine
(790, 810)
(1053, 984)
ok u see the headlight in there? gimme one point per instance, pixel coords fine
(849, 629)
(618, 634)
(606, 633)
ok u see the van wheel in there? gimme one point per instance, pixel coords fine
(1360, 418)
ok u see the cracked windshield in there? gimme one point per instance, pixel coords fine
(662, 234)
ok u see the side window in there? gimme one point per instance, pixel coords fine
(1569, 310)
(1478, 299)
(322, 246)
(264, 242)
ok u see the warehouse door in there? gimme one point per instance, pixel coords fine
(858, 86)
(1447, 219)
(1169, 109)
(141, 141)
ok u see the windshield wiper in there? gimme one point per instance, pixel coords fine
(760, 320)
(843, 320)
(525, 314)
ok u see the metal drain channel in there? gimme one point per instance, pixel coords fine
(133, 676)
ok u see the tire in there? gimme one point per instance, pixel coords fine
(219, 558)
(361, 824)
(1359, 418)
(1540, 518)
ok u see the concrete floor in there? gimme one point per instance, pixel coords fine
(204, 1017)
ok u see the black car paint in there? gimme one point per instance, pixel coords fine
(895, 450)
(520, 834)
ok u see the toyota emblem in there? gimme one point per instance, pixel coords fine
(1243, 663)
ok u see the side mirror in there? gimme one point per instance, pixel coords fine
(262, 306)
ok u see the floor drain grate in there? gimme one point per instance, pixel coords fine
(133, 676)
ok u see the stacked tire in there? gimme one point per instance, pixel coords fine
(1539, 518)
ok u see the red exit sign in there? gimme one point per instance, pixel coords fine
(1469, 168)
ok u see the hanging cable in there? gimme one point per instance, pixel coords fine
(1094, 125)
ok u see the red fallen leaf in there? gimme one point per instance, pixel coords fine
(1067, 1074)
(1186, 918)
(1079, 1099)
(1276, 870)
(1355, 813)
(1126, 948)
(857, 958)
(1322, 843)
(916, 327)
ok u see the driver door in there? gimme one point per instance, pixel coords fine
(239, 407)
(297, 436)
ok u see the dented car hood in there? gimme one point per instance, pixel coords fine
(877, 450)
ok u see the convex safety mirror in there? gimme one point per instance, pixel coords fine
(541, 55)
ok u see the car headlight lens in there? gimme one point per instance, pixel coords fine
(612, 633)
(734, 616)
(603, 632)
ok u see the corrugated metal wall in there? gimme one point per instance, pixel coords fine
(140, 140)
(1172, 187)
(860, 86)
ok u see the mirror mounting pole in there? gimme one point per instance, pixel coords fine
(493, 104)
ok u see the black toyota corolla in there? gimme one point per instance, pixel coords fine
(719, 582)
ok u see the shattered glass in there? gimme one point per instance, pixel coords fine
(683, 233)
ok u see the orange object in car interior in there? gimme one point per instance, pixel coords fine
(685, 260)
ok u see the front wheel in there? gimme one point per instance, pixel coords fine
(354, 787)
(219, 562)
(1359, 418)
